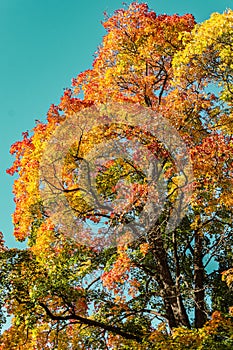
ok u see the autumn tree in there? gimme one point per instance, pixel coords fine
(167, 286)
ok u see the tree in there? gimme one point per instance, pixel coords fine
(159, 288)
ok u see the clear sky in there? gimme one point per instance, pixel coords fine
(43, 45)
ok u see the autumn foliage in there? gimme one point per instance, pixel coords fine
(163, 289)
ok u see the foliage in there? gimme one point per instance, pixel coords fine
(163, 290)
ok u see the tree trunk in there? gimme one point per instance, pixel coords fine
(199, 275)
(176, 312)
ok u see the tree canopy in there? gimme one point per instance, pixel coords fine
(124, 196)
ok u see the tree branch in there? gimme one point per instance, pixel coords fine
(92, 323)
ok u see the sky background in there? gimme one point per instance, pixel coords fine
(43, 45)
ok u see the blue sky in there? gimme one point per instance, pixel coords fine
(43, 45)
